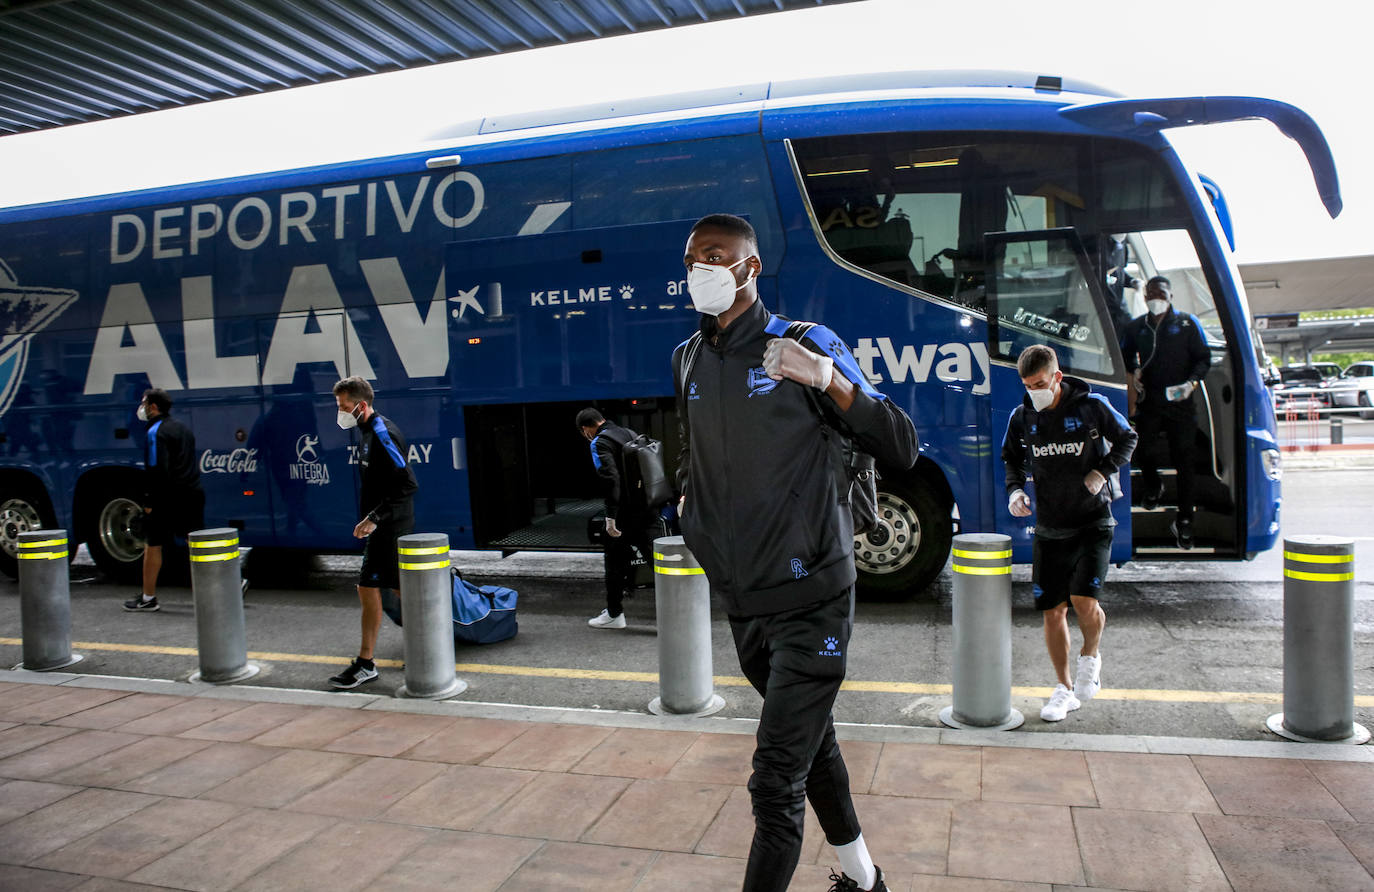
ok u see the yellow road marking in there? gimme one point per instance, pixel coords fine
(1150, 695)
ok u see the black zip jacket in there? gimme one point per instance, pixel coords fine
(1060, 446)
(608, 457)
(1169, 353)
(387, 480)
(169, 454)
(758, 466)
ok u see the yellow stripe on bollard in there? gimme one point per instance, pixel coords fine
(1307, 558)
(42, 544)
(678, 571)
(433, 565)
(982, 571)
(207, 558)
(441, 549)
(214, 543)
(1318, 577)
(44, 556)
(981, 555)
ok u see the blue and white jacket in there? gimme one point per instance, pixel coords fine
(388, 483)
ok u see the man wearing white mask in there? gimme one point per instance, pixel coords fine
(1167, 357)
(173, 502)
(761, 412)
(385, 501)
(1073, 443)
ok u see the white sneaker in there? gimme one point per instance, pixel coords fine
(1088, 681)
(1062, 702)
(604, 620)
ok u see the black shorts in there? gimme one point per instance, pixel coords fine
(172, 518)
(1075, 566)
(380, 561)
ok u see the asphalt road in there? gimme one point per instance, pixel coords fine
(1191, 649)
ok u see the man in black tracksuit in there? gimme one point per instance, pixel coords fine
(761, 417)
(385, 501)
(173, 502)
(1073, 442)
(627, 514)
(1168, 357)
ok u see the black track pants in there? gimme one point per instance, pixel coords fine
(1176, 421)
(619, 564)
(796, 660)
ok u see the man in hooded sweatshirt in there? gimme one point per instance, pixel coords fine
(1073, 443)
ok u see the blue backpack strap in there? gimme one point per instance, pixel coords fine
(690, 348)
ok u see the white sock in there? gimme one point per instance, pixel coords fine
(147, 597)
(856, 863)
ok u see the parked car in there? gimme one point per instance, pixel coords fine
(1302, 388)
(1355, 389)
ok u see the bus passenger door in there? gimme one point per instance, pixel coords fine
(1041, 290)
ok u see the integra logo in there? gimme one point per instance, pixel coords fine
(240, 461)
(23, 313)
(308, 467)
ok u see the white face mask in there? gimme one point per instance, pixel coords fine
(713, 288)
(1041, 399)
(1157, 307)
(346, 419)
(142, 412)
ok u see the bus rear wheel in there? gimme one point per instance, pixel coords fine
(116, 537)
(20, 513)
(908, 548)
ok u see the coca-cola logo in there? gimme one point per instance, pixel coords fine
(240, 461)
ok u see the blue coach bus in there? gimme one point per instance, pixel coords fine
(939, 222)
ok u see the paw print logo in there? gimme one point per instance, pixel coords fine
(627, 292)
(831, 644)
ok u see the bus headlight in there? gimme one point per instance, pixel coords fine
(1273, 463)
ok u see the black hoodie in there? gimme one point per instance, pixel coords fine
(1060, 446)
(763, 514)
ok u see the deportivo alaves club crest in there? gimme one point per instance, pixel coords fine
(24, 311)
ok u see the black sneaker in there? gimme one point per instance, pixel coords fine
(1183, 532)
(354, 675)
(138, 605)
(844, 884)
(1151, 500)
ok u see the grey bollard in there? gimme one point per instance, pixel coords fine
(217, 591)
(1337, 430)
(427, 617)
(682, 597)
(982, 635)
(45, 601)
(1318, 642)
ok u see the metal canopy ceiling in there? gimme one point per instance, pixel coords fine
(74, 61)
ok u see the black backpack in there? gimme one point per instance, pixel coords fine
(859, 481)
(643, 459)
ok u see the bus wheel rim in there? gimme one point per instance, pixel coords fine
(16, 516)
(894, 543)
(117, 535)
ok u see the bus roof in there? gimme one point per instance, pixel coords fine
(791, 92)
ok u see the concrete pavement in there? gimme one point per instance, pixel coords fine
(118, 783)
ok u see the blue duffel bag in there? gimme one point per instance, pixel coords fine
(482, 614)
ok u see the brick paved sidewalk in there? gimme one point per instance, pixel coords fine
(163, 785)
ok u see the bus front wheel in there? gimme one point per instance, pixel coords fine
(908, 548)
(116, 537)
(19, 513)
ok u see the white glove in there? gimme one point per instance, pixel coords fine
(1137, 381)
(1019, 504)
(1094, 481)
(786, 358)
(1179, 392)
(611, 529)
